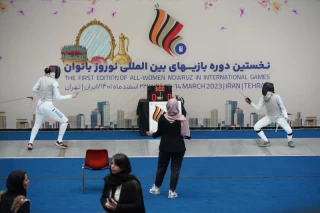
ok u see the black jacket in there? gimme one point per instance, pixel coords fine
(171, 139)
(130, 200)
(7, 200)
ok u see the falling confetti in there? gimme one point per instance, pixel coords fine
(223, 28)
(113, 14)
(90, 10)
(63, 2)
(264, 3)
(21, 12)
(206, 6)
(55, 13)
(208, 3)
(3, 7)
(276, 6)
(93, 2)
(12, 2)
(294, 11)
(242, 12)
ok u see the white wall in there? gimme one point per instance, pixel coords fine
(288, 41)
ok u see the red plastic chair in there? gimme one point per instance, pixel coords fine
(96, 159)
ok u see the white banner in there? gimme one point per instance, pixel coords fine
(213, 53)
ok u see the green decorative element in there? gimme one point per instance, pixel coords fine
(156, 6)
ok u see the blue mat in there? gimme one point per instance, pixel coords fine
(135, 135)
(217, 184)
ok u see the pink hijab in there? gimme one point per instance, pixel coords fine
(172, 115)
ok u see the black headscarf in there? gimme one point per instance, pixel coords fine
(114, 180)
(15, 188)
(123, 162)
(15, 182)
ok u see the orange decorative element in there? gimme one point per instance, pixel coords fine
(276, 6)
(3, 7)
(159, 88)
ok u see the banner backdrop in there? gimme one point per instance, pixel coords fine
(213, 53)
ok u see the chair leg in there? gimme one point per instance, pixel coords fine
(82, 179)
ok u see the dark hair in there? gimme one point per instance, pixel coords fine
(15, 182)
(123, 162)
(47, 70)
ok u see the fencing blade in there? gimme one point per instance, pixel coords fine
(238, 90)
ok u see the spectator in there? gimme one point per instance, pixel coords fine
(172, 127)
(122, 191)
(14, 200)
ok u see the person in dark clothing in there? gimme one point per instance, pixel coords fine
(14, 200)
(122, 191)
(172, 127)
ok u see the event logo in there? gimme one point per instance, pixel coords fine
(3, 7)
(95, 44)
(157, 113)
(164, 31)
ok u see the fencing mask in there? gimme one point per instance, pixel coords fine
(53, 70)
(267, 90)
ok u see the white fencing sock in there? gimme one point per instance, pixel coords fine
(34, 133)
(62, 130)
(289, 137)
(262, 135)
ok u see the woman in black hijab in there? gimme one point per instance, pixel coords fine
(122, 191)
(14, 200)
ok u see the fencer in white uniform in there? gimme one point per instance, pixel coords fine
(276, 112)
(46, 88)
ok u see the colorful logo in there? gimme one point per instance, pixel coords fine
(95, 44)
(164, 31)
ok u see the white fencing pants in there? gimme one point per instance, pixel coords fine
(46, 108)
(266, 120)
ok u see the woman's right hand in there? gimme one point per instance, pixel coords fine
(110, 204)
(106, 205)
(74, 95)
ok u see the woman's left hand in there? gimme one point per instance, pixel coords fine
(111, 204)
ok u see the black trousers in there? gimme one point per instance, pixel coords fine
(163, 162)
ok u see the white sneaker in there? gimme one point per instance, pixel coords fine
(154, 190)
(172, 194)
